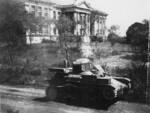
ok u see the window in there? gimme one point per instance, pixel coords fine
(54, 14)
(39, 11)
(46, 12)
(81, 18)
(46, 29)
(80, 31)
(40, 29)
(97, 31)
(101, 32)
(58, 14)
(54, 31)
(33, 10)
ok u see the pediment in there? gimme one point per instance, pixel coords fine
(83, 5)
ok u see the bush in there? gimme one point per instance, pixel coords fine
(9, 110)
(122, 40)
(115, 52)
(96, 39)
(137, 74)
(48, 41)
(19, 73)
(114, 38)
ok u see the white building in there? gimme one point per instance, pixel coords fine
(78, 11)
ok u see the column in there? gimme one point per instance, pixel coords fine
(75, 19)
(86, 30)
(79, 24)
(89, 24)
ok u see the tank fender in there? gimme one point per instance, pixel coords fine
(123, 80)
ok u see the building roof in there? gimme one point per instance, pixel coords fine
(41, 1)
(73, 3)
(100, 12)
(77, 4)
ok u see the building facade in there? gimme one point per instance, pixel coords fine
(81, 12)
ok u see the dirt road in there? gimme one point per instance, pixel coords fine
(30, 100)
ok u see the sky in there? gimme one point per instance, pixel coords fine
(120, 12)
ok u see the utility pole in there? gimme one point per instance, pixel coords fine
(148, 70)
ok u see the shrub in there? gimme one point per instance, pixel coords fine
(10, 110)
(96, 39)
(137, 74)
(48, 41)
(20, 73)
(114, 38)
(115, 52)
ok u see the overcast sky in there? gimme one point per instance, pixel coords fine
(120, 12)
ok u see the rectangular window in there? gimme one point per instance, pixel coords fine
(39, 11)
(33, 10)
(54, 14)
(58, 14)
(81, 18)
(101, 32)
(46, 29)
(46, 12)
(40, 29)
(54, 31)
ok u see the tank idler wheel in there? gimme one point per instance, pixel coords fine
(51, 93)
(109, 94)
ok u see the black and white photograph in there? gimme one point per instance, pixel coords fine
(74, 56)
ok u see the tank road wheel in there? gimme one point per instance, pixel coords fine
(109, 94)
(51, 93)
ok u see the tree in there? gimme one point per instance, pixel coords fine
(114, 29)
(65, 28)
(113, 37)
(11, 17)
(15, 21)
(137, 36)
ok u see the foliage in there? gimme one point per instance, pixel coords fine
(48, 41)
(113, 38)
(113, 29)
(96, 38)
(137, 74)
(137, 36)
(19, 73)
(15, 21)
(65, 27)
(10, 110)
(12, 26)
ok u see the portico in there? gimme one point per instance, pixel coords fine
(81, 17)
